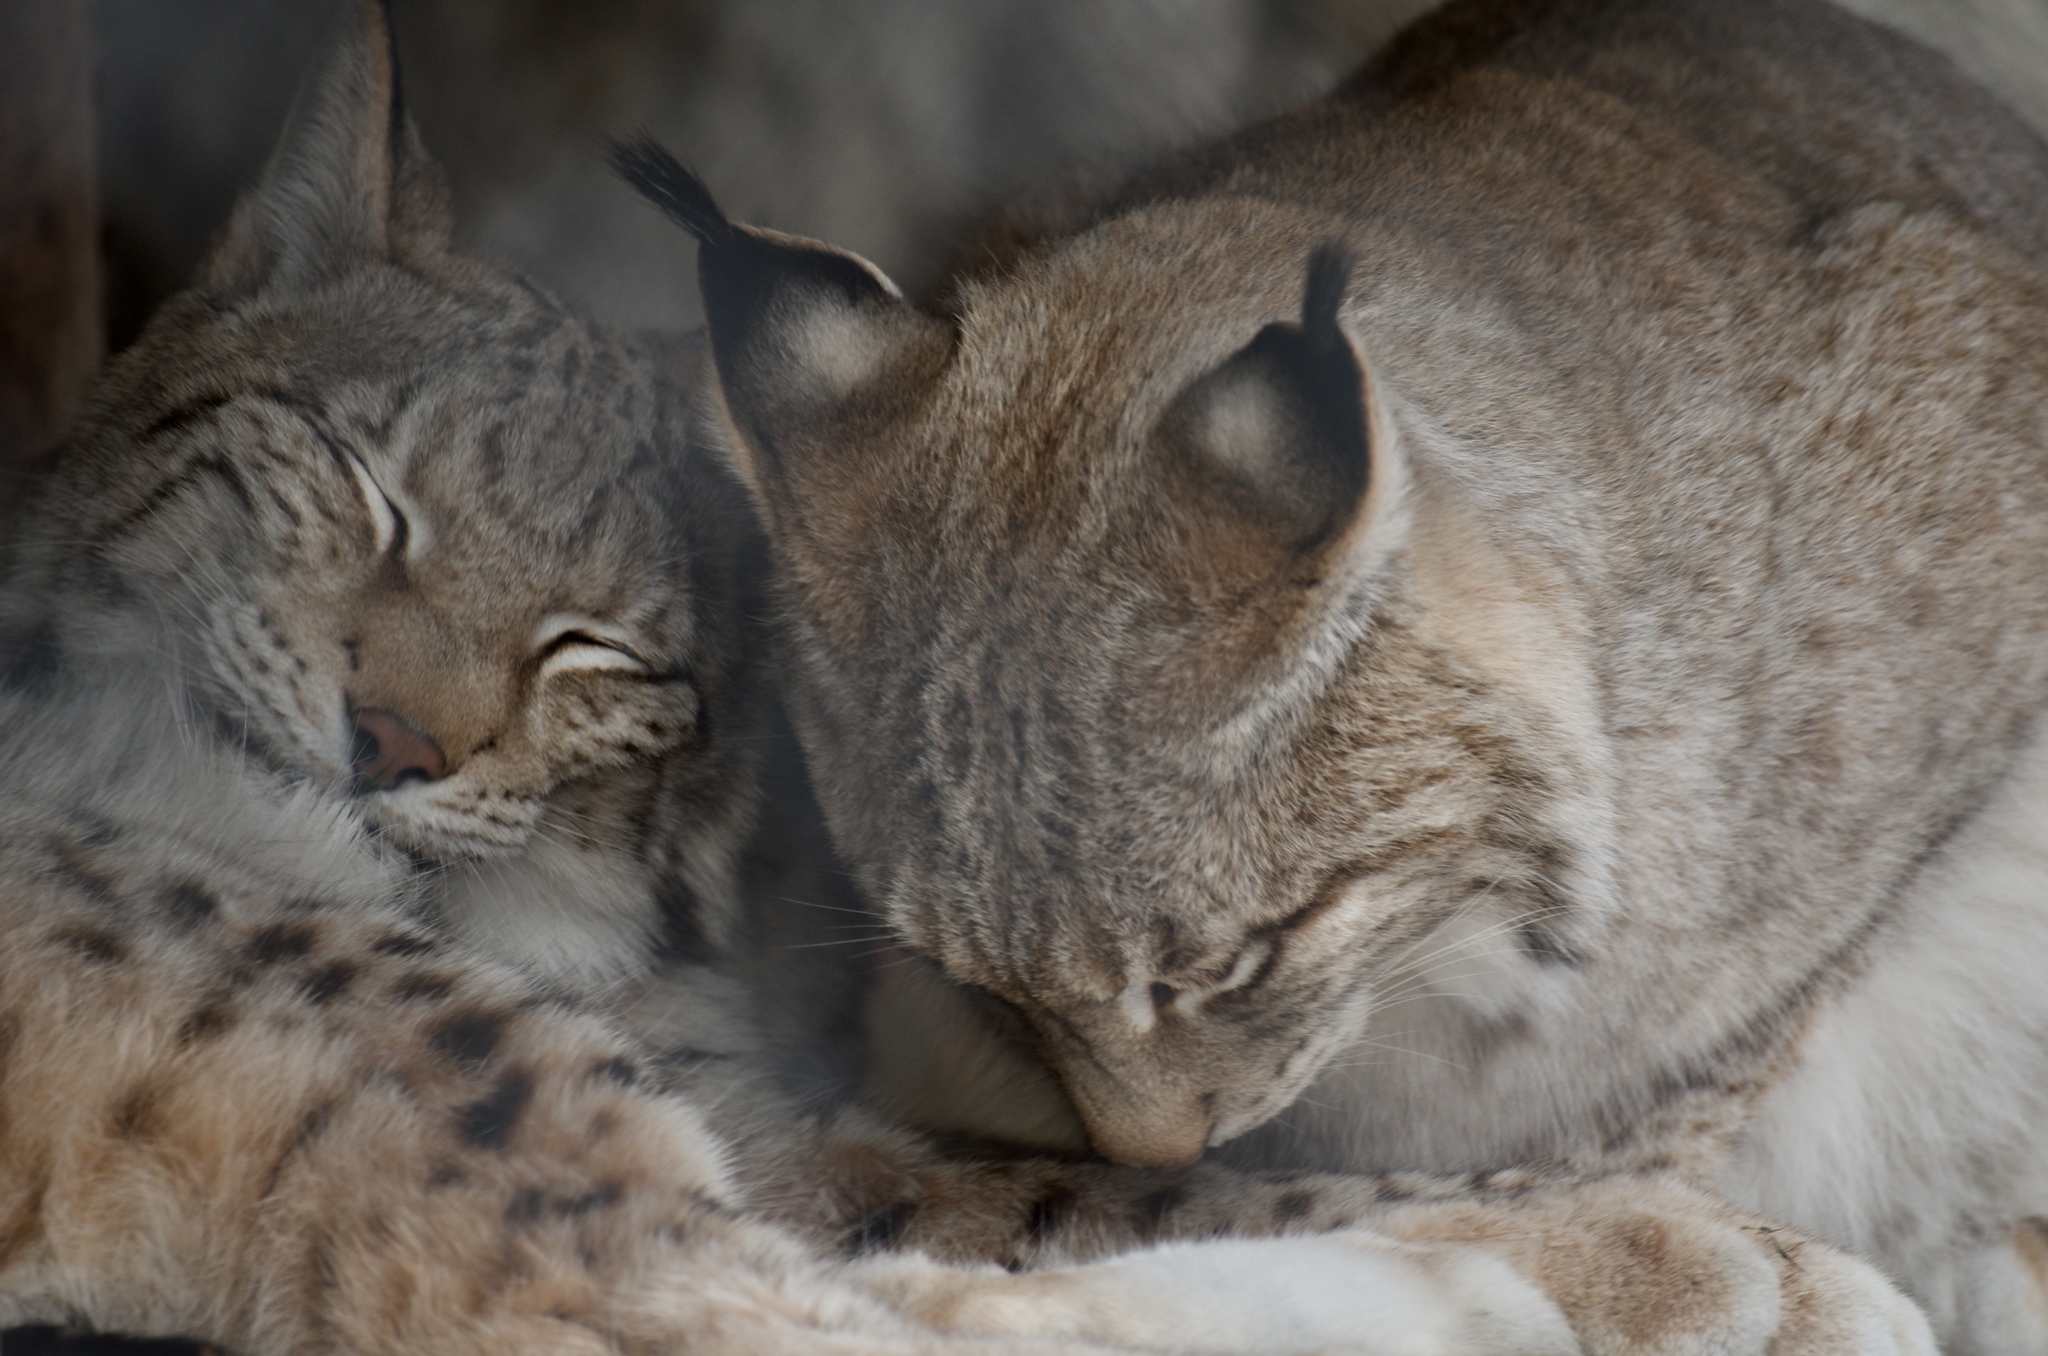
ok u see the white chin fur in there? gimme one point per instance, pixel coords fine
(412, 819)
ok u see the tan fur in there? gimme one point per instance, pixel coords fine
(297, 1055)
(1549, 800)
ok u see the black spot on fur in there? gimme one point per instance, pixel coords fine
(489, 1122)
(1047, 1212)
(324, 1274)
(404, 944)
(329, 982)
(470, 1037)
(1154, 1207)
(206, 1022)
(281, 941)
(95, 944)
(596, 1199)
(191, 904)
(1386, 1191)
(422, 987)
(314, 1124)
(525, 1206)
(618, 1069)
(1294, 1206)
(879, 1228)
(95, 830)
(134, 1116)
(75, 870)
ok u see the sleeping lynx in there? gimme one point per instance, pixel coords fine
(1498, 619)
(374, 681)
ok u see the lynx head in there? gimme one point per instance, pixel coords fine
(401, 524)
(1152, 681)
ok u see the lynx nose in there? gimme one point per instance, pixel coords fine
(388, 751)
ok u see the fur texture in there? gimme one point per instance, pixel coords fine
(1581, 710)
(376, 704)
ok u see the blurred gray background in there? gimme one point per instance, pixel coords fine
(883, 125)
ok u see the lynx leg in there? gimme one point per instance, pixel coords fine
(1352, 1292)
(1643, 1266)
(312, 1128)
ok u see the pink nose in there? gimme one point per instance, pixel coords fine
(389, 751)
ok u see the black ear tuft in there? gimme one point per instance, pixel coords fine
(663, 180)
(804, 335)
(1278, 433)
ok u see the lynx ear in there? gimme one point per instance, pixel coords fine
(1276, 441)
(349, 180)
(814, 345)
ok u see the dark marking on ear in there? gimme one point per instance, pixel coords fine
(280, 942)
(329, 982)
(470, 1037)
(489, 1122)
(1047, 1213)
(878, 1229)
(191, 903)
(95, 944)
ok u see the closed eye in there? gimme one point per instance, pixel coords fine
(1251, 966)
(566, 645)
(388, 524)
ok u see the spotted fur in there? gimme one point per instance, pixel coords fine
(300, 1044)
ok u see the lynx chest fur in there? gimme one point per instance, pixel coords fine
(1499, 618)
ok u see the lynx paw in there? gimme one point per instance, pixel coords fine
(1348, 1293)
(1643, 1268)
(1835, 1305)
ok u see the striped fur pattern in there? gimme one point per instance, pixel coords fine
(1611, 744)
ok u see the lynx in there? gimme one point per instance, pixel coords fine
(1499, 619)
(375, 722)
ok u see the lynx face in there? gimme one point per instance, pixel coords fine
(412, 529)
(433, 595)
(1110, 664)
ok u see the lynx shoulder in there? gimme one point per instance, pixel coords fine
(1500, 618)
